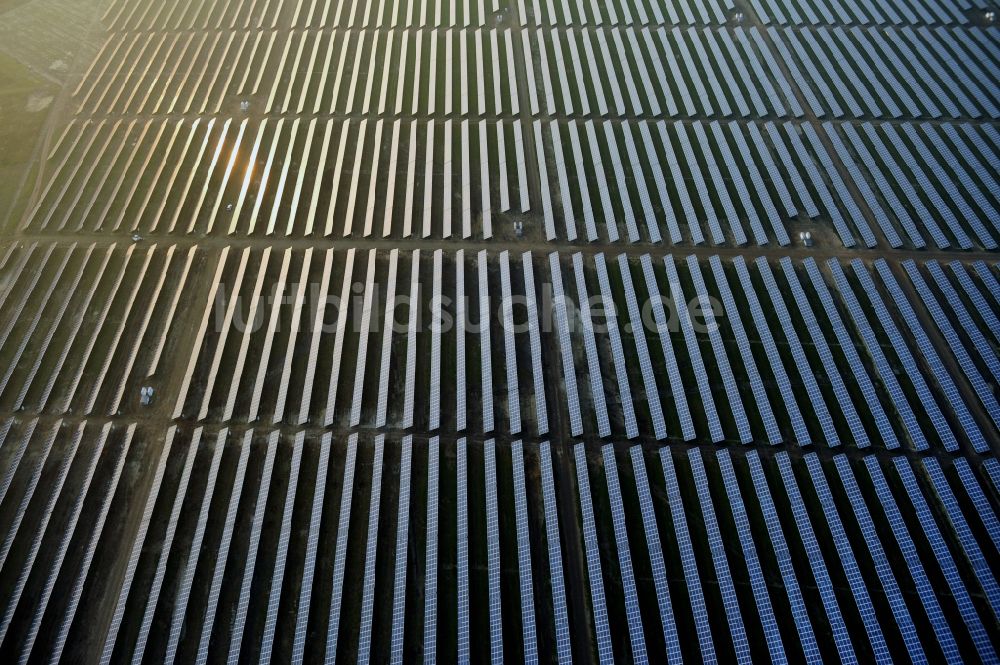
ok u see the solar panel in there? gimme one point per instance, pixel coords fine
(617, 165)
(161, 562)
(543, 174)
(387, 330)
(693, 351)
(340, 555)
(590, 346)
(639, 182)
(362, 352)
(186, 573)
(600, 172)
(462, 556)
(686, 549)
(856, 582)
(924, 394)
(917, 174)
(281, 556)
(822, 190)
(965, 320)
(660, 181)
(951, 574)
(96, 529)
(431, 555)
(942, 175)
(12, 600)
(882, 365)
(909, 551)
(466, 179)
(898, 209)
(485, 345)
(783, 556)
(522, 169)
(493, 551)
(368, 591)
(736, 177)
(437, 314)
(297, 306)
(534, 342)
(719, 184)
(580, 184)
(746, 352)
(632, 610)
(882, 566)
(642, 350)
(960, 526)
(605, 652)
(222, 554)
(983, 506)
(717, 546)
(39, 352)
(509, 345)
(758, 584)
(560, 613)
(718, 347)
(617, 350)
(654, 548)
(677, 174)
(525, 574)
(341, 331)
(312, 546)
(461, 317)
(941, 374)
(798, 353)
(565, 344)
(979, 302)
(694, 171)
(272, 327)
(402, 538)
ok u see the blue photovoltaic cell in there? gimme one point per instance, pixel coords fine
(535, 342)
(718, 548)
(402, 539)
(485, 348)
(688, 560)
(936, 540)
(281, 559)
(559, 611)
(431, 558)
(493, 551)
(846, 555)
(824, 584)
(746, 352)
(983, 348)
(961, 527)
(642, 350)
(798, 352)
(924, 589)
(912, 370)
(565, 346)
(525, 574)
(340, 555)
(942, 375)
(617, 351)
(984, 508)
(882, 566)
(602, 629)
(590, 346)
(462, 556)
(655, 549)
(632, 614)
(719, 349)
(509, 345)
(772, 635)
(874, 349)
(670, 358)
